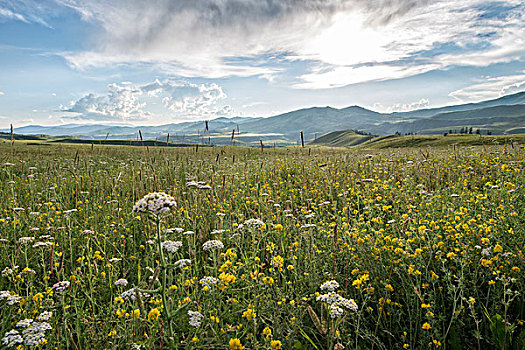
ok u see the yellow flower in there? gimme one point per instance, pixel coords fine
(278, 227)
(267, 331)
(516, 269)
(425, 306)
(154, 314)
(194, 339)
(112, 333)
(136, 313)
(249, 314)
(498, 248)
(235, 344)
(389, 288)
(275, 344)
(426, 326)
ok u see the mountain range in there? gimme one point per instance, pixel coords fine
(503, 115)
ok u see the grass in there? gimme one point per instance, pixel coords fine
(429, 246)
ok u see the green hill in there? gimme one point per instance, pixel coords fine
(343, 138)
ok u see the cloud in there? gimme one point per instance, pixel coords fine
(129, 102)
(1, 93)
(8, 14)
(341, 42)
(199, 38)
(492, 87)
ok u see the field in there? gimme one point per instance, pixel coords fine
(278, 249)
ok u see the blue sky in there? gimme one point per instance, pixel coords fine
(155, 62)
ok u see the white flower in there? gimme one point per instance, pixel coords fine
(60, 286)
(208, 281)
(195, 318)
(13, 299)
(171, 246)
(330, 285)
(192, 184)
(216, 232)
(4, 294)
(336, 311)
(24, 240)
(12, 338)
(186, 233)
(182, 263)
(121, 282)
(45, 316)
(130, 294)
(174, 230)
(24, 323)
(253, 223)
(305, 226)
(155, 202)
(213, 244)
(41, 244)
(87, 232)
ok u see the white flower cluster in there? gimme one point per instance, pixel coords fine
(33, 333)
(330, 285)
(200, 185)
(121, 282)
(213, 244)
(130, 294)
(155, 202)
(60, 286)
(336, 303)
(11, 298)
(208, 281)
(250, 223)
(171, 246)
(182, 263)
(195, 318)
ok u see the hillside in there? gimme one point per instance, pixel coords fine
(344, 138)
(502, 115)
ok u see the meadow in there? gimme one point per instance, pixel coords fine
(290, 248)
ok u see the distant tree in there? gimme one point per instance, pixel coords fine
(478, 131)
(489, 132)
(470, 130)
(462, 130)
(445, 134)
(450, 131)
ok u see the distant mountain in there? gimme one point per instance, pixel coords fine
(503, 115)
(507, 100)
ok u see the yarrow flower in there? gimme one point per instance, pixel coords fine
(213, 244)
(130, 294)
(330, 285)
(171, 246)
(195, 318)
(60, 286)
(182, 263)
(336, 303)
(12, 338)
(208, 281)
(156, 203)
(121, 282)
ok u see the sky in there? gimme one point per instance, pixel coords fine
(155, 62)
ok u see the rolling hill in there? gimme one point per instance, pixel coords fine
(503, 115)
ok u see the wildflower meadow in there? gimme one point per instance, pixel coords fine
(110, 247)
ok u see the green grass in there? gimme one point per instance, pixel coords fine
(429, 247)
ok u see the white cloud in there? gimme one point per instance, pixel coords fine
(492, 87)
(343, 41)
(6, 13)
(129, 102)
(1, 93)
(405, 107)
